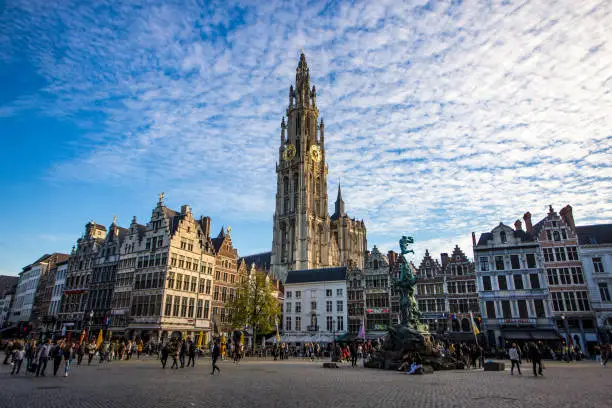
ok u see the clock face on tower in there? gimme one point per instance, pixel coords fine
(315, 153)
(289, 152)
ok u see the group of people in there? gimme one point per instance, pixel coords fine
(532, 352)
(178, 349)
(37, 356)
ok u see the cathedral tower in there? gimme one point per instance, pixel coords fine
(304, 235)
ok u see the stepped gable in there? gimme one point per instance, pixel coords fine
(429, 266)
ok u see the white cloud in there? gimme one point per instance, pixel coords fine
(439, 119)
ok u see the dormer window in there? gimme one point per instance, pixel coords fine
(556, 236)
(502, 236)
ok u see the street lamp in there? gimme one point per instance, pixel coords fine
(566, 326)
(334, 358)
(91, 315)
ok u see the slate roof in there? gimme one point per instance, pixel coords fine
(317, 275)
(594, 234)
(262, 261)
(7, 282)
(484, 237)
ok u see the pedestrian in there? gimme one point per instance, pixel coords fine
(164, 355)
(30, 353)
(191, 352)
(56, 354)
(605, 354)
(215, 355)
(535, 355)
(81, 352)
(515, 359)
(138, 350)
(43, 357)
(67, 352)
(182, 353)
(18, 357)
(353, 350)
(175, 354)
(8, 351)
(91, 351)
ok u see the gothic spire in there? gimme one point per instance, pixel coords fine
(339, 204)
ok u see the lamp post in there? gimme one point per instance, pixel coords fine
(334, 357)
(91, 315)
(566, 326)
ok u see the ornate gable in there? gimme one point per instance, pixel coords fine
(429, 266)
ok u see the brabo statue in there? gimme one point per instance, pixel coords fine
(409, 310)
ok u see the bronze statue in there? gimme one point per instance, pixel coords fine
(409, 310)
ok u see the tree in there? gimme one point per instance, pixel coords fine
(255, 304)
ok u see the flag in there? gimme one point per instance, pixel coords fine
(361, 333)
(474, 327)
(200, 339)
(82, 337)
(100, 339)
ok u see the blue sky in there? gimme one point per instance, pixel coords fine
(441, 117)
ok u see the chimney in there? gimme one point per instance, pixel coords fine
(518, 225)
(205, 224)
(444, 258)
(392, 257)
(473, 238)
(568, 216)
(528, 226)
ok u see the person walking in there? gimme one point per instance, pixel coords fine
(535, 355)
(138, 350)
(81, 352)
(8, 351)
(18, 357)
(191, 352)
(175, 354)
(91, 351)
(43, 358)
(164, 355)
(605, 354)
(30, 353)
(67, 352)
(215, 355)
(56, 354)
(182, 353)
(515, 359)
(353, 350)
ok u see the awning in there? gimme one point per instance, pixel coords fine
(544, 335)
(516, 335)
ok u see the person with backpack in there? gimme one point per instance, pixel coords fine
(515, 359)
(215, 355)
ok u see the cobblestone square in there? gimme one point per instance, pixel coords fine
(294, 383)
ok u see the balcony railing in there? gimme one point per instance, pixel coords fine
(312, 328)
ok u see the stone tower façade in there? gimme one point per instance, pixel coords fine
(305, 235)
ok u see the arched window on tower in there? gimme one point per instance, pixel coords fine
(502, 236)
(284, 241)
(285, 195)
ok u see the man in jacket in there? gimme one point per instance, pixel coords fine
(215, 355)
(515, 358)
(535, 355)
(182, 352)
(190, 352)
(43, 357)
(91, 351)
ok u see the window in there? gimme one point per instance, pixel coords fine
(564, 276)
(549, 235)
(184, 307)
(531, 260)
(518, 282)
(168, 309)
(486, 283)
(502, 282)
(216, 293)
(522, 307)
(577, 276)
(328, 306)
(328, 292)
(208, 286)
(199, 309)
(560, 254)
(338, 292)
(538, 305)
(186, 283)
(490, 309)
(298, 307)
(298, 323)
(176, 307)
(288, 323)
(604, 292)
(298, 294)
(534, 279)
(502, 236)
(206, 308)
(339, 306)
(223, 294)
(340, 325)
(313, 305)
(452, 287)
(484, 264)
(330, 323)
(514, 262)
(499, 263)
(288, 307)
(572, 253)
(556, 236)
(553, 278)
(583, 301)
(507, 312)
(191, 306)
(557, 302)
(548, 255)
(288, 294)
(193, 283)
(598, 265)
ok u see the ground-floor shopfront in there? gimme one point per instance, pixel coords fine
(578, 332)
